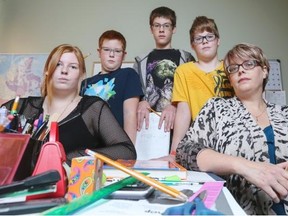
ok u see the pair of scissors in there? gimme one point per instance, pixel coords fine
(188, 208)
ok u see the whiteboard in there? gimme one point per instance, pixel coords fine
(152, 142)
(275, 76)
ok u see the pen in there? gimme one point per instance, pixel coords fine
(40, 130)
(44, 134)
(15, 105)
(14, 123)
(151, 110)
(149, 181)
(40, 120)
(27, 129)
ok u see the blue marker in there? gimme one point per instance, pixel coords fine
(40, 121)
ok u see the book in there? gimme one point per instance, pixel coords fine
(157, 169)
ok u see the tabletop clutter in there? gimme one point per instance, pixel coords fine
(59, 189)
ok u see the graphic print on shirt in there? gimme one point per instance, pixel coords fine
(103, 89)
(222, 85)
(160, 83)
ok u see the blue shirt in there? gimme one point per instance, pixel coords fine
(277, 207)
(114, 87)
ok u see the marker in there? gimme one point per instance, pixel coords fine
(40, 130)
(3, 118)
(28, 127)
(34, 126)
(15, 105)
(40, 121)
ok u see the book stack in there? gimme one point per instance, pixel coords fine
(157, 169)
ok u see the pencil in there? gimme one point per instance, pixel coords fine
(147, 180)
(151, 110)
(87, 55)
(87, 199)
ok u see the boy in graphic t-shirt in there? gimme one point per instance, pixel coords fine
(156, 70)
(120, 87)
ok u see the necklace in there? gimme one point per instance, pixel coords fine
(56, 116)
(257, 116)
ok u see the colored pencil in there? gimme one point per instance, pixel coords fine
(88, 199)
(151, 110)
(149, 181)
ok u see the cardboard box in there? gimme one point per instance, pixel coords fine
(85, 177)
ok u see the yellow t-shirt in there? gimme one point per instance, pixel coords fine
(194, 86)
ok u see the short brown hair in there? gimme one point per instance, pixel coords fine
(112, 35)
(163, 12)
(203, 23)
(245, 51)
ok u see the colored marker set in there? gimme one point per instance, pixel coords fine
(11, 121)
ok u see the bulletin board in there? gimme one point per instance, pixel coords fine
(275, 76)
(274, 92)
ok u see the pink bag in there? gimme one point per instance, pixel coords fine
(51, 157)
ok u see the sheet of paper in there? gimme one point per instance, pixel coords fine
(194, 176)
(152, 142)
(148, 207)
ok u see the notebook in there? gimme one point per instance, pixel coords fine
(13, 163)
(156, 168)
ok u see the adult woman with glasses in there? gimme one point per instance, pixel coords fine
(244, 139)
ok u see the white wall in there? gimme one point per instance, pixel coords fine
(1, 21)
(37, 26)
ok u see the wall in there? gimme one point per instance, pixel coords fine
(1, 21)
(37, 26)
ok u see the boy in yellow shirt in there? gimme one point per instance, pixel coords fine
(196, 82)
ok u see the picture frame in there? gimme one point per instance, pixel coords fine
(97, 66)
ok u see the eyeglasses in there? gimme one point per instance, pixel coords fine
(166, 26)
(200, 39)
(116, 52)
(247, 65)
(69, 67)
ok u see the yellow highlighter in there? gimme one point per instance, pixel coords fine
(15, 105)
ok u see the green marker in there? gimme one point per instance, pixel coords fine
(85, 200)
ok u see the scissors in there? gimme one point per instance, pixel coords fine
(188, 208)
